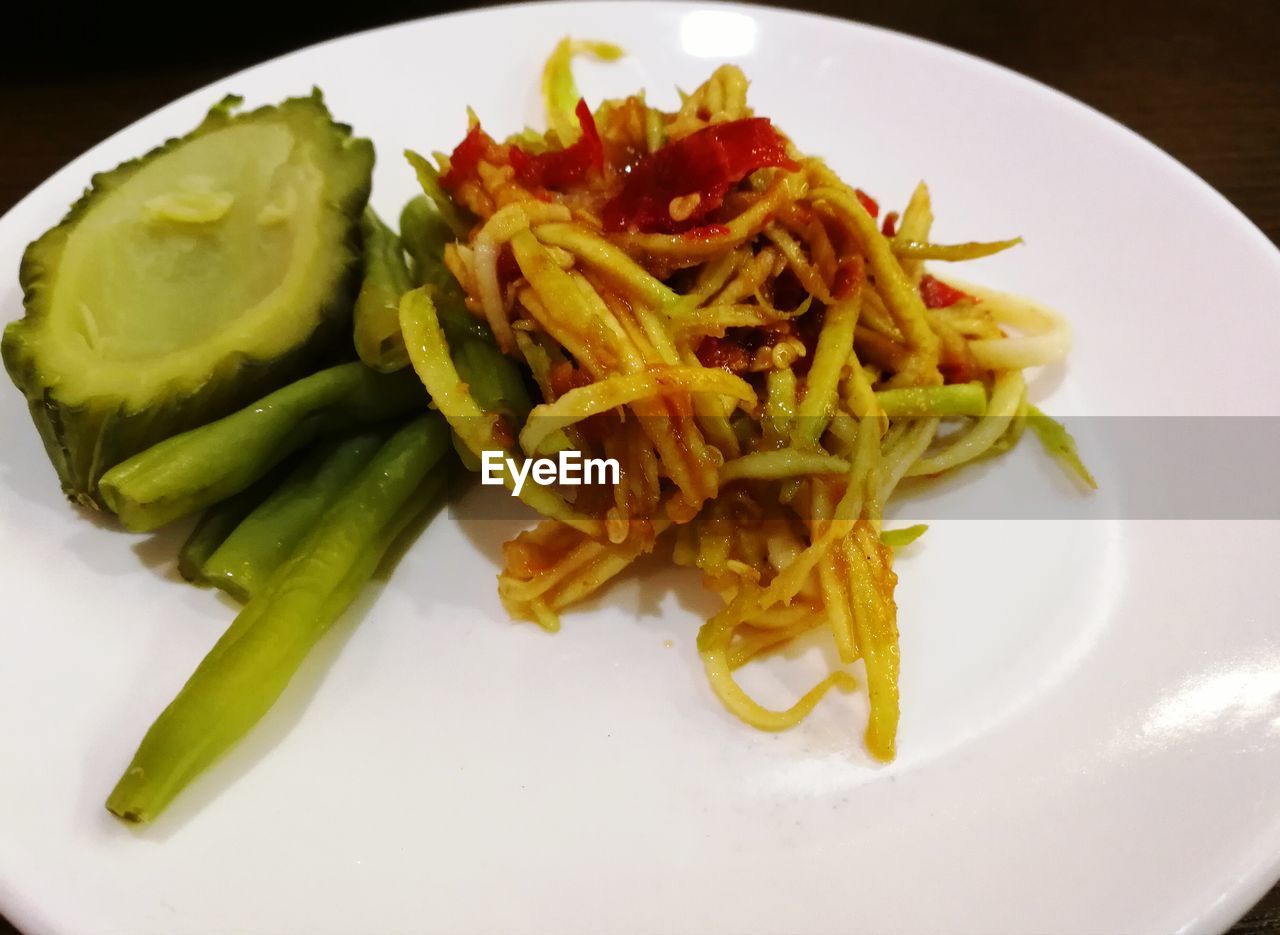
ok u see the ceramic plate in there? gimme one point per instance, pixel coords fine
(1091, 708)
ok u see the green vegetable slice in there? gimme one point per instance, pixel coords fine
(897, 538)
(189, 282)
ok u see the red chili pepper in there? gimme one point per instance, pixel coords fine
(558, 168)
(890, 226)
(868, 202)
(937, 294)
(563, 168)
(706, 164)
(475, 146)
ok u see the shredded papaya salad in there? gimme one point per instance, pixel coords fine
(762, 353)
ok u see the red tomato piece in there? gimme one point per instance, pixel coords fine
(705, 164)
(937, 294)
(563, 168)
(873, 208)
(475, 147)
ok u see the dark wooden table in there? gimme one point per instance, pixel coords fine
(1199, 79)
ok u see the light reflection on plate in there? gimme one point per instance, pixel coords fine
(717, 33)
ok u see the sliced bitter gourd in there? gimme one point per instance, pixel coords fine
(189, 282)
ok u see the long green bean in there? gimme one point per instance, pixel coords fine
(244, 674)
(494, 378)
(424, 234)
(429, 179)
(496, 381)
(214, 526)
(206, 465)
(267, 536)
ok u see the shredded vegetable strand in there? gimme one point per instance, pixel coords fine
(429, 354)
(560, 92)
(835, 344)
(586, 401)
(1005, 398)
(764, 356)
(900, 297)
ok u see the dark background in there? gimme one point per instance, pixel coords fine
(1199, 79)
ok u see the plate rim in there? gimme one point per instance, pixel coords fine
(1241, 893)
(769, 8)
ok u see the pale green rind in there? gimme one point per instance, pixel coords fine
(87, 430)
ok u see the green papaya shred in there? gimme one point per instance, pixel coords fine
(1059, 443)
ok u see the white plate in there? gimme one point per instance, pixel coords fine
(1091, 710)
